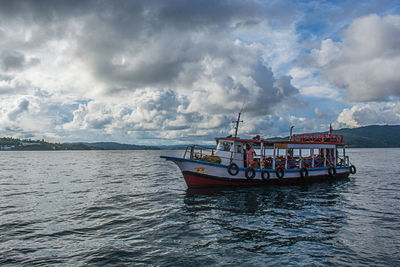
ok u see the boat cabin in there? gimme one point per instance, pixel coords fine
(303, 150)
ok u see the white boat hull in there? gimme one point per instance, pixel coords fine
(205, 174)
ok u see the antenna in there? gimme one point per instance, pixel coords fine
(237, 124)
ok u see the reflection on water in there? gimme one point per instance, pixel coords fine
(255, 199)
(299, 221)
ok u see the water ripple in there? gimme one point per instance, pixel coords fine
(130, 208)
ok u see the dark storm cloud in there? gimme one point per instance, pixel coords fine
(157, 39)
(131, 44)
(14, 60)
(43, 10)
(128, 16)
(11, 60)
(194, 14)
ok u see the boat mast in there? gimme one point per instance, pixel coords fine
(290, 133)
(237, 124)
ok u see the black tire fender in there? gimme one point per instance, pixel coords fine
(250, 173)
(353, 169)
(264, 175)
(280, 172)
(303, 172)
(233, 169)
(331, 171)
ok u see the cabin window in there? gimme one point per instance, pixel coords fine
(306, 153)
(339, 153)
(293, 152)
(281, 152)
(239, 149)
(268, 152)
(224, 146)
(257, 149)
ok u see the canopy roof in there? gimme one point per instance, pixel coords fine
(321, 139)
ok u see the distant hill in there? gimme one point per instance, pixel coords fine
(118, 146)
(9, 143)
(367, 136)
(371, 136)
(183, 147)
(173, 147)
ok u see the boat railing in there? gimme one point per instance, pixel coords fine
(306, 162)
(197, 152)
(203, 153)
(316, 161)
(320, 138)
(293, 163)
(344, 161)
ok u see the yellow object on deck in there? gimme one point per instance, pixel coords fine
(214, 159)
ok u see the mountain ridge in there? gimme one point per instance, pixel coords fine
(371, 136)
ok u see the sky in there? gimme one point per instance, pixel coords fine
(173, 72)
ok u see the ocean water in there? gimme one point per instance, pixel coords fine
(124, 208)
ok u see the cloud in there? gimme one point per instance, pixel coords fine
(11, 60)
(22, 106)
(366, 62)
(159, 70)
(369, 113)
(191, 52)
(14, 60)
(171, 66)
(11, 113)
(149, 110)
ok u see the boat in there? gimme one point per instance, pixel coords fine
(257, 162)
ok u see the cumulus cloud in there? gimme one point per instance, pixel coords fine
(149, 110)
(190, 52)
(366, 62)
(155, 70)
(123, 67)
(11, 112)
(369, 113)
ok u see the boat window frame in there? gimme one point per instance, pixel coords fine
(222, 142)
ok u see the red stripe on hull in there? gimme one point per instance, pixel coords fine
(199, 180)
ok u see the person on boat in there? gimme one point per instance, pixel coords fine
(250, 153)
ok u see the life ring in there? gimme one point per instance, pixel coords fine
(280, 172)
(250, 173)
(233, 169)
(303, 172)
(264, 175)
(331, 171)
(353, 169)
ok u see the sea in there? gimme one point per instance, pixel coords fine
(131, 208)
